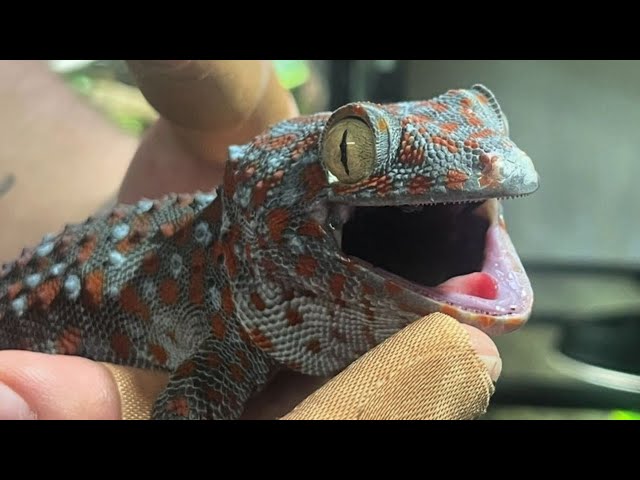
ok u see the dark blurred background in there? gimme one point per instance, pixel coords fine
(578, 236)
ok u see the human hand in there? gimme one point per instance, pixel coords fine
(184, 151)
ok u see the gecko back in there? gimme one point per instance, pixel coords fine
(92, 289)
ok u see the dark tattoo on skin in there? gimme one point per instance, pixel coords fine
(6, 183)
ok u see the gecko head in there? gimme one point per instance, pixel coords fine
(413, 197)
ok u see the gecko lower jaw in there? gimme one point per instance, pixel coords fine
(458, 255)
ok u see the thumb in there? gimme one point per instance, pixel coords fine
(48, 387)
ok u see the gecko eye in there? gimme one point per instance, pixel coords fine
(349, 150)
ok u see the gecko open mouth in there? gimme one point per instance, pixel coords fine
(456, 254)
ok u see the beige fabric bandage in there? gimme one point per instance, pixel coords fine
(428, 370)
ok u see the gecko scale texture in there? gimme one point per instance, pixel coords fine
(223, 288)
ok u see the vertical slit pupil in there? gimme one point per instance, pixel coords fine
(343, 152)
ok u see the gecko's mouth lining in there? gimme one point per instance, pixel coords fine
(459, 254)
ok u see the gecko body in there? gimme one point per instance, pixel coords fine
(329, 233)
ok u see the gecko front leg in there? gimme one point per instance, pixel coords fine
(217, 379)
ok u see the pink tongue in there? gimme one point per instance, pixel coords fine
(477, 284)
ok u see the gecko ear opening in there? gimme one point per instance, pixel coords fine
(493, 104)
(349, 151)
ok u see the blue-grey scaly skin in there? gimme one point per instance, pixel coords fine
(225, 287)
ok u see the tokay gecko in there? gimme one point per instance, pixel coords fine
(329, 233)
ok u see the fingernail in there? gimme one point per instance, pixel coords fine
(13, 406)
(494, 365)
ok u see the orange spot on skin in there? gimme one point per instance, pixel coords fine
(293, 317)
(465, 102)
(439, 107)
(288, 295)
(87, 246)
(169, 291)
(141, 225)
(244, 359)
(277, 221)
(392, 288)
(230, 180)
(179, 406)
(417, 120)
(314, 180)
(213, 213)
(381, 185)
(47, 292)
(214, 396)
(260, 339)
(449, 144)
(456, 179)
(304, 145)
(196, 283)
(449, 127)
(336, 284)
(14, 290)
(168, 229)
(257, 301)
(367, 310)
(133, 304)
(69, 341)
(185, 369)
(314, 346)
(487, 132)
(237, 373)
(217, 251)
(275, 143)
(218, 327)
(182, 229)
(116, 215)
(214, 360)
(121, 345)
(311, 229)
(277, 176)
(126, 245)
(228, 305)
(470, 116)
(151, 263)
(43, 263)
(259, 194)
(158, 353)
(244, 336)
(419, 185)
(367, 289)
(231, 261)
(471, 144)
(382, 124)
(92, 288)
(182, 234)
(306, 266)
